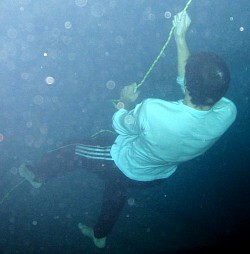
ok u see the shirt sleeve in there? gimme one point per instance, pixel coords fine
(126, 122)
(181, 82)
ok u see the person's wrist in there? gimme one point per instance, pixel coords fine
(180, 38)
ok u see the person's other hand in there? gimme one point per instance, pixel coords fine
(129, 93)
(181, 22)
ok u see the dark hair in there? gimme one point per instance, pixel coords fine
(207, 78)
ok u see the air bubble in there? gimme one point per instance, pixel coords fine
(12, 33)
(167, 15)
(29, 124)
(110, 84)
(67, 25)
(97, 10)
(38, 100)
(131, 201)
(14, 170)
(129, 119)
(50, 80)
(25, 76)
(120, 105)
(81, 3)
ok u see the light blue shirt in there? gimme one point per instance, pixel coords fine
(158, 135)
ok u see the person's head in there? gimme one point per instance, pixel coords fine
(207, 78)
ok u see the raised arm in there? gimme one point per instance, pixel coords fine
(181, 22)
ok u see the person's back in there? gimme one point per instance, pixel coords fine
(168, 133)
(181, 133)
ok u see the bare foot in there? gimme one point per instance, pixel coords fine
(29, 176)
(88, 231)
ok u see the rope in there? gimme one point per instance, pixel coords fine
(102, 131)
(162, 50)
(11, 190)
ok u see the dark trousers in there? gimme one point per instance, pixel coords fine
(58, 162)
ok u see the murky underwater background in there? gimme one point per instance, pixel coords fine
(61, 64)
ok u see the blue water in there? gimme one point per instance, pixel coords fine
(61, 64)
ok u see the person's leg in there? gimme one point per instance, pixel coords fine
(114, 198)
(52, 164)
(62, 160)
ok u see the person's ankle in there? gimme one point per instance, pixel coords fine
(99, 242)
(89, 232)
(36, 185)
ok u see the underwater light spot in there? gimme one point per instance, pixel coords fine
(120, 105)
(67, 25)
(44, 129)
(110, 84)
(29, 124)
(1, 137)
(97, 10)
(167, 15)
(50, 80)
(12, 33)
(14, 170)
(151, 16)
(55, 99)
(67, 40)
(38, 100)
(131, 201)
(81, 3)
(29, 140)
(25, 76)
(129, 119)
(119, 40)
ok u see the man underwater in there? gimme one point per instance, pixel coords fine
(153, 138)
